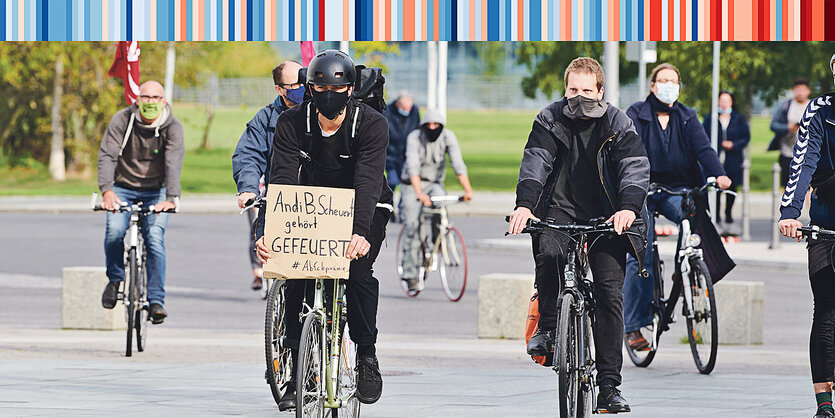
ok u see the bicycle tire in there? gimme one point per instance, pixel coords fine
(453, 288)
(277, 356)
(346, 375)
(310, 375)
(143, 311)
(703, 299)
(398, 263)
(644, 358)
(131, 301)
(566, 358)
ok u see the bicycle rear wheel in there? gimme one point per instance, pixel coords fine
(398, 261)
(310, 375)
(453, 264)
(567, 359)
(143, 318)
(346, 381)
(132, 297)
(278, 355)
(702, 329)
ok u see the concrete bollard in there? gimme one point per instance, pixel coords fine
(739, 305)
(81, 301)
(503, 301)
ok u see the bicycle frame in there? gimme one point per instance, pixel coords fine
(331, 357)
(439, 242)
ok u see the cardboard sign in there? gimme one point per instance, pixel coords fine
(308, 230)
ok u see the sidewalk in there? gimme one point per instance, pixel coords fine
(484, 204)
(199, 373)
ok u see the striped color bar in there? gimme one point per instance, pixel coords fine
(407, 20)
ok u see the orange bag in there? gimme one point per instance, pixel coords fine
(530, 328)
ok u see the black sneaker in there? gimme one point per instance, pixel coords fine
(824, 413)
(157, 313)
(288, 399)
(108, 297)
(610, 401)
(542, 343)
(369, 380)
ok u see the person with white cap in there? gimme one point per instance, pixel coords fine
(425, 170)
(812, 166)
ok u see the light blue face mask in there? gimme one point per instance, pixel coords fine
(402, 112)
(667, 92)
(725, 111)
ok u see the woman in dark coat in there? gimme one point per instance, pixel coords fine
(734, 136)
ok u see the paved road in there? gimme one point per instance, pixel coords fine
(206, 358)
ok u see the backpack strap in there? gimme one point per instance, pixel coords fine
(305, 143)
(127, 133)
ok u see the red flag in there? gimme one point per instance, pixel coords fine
(126, 66)
(307, 52)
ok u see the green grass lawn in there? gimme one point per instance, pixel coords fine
(492, 143)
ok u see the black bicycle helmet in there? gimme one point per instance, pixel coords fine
(331, 68)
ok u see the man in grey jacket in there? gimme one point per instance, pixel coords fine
(425, 169)
(140, 160)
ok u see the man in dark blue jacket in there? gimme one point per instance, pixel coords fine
(676, 145)
(814, 165)
(250, 162)
(403, 118)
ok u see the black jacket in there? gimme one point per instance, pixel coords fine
(622, 164)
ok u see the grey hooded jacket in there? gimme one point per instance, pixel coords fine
(427, 159)
(150, 159)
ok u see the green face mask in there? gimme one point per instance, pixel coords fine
(150, 111)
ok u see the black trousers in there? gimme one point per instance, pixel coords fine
(607, 260)
(822, 336)
(362, 291)
(729, 204)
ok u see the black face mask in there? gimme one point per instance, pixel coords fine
(431, 134)
(330, 103)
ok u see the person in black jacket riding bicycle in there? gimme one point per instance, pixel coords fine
(335, 141)
(584, 160)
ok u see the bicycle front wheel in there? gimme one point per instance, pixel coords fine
(310, 375)
(132, 297)
(278, 355)
(567, 359)
(453, 264)
(652, 333)
(346, 381)
(702, 329)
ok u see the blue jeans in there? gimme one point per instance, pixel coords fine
(637, 290)
(153, 232)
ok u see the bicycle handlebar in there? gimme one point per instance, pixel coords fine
(597, 227)
(447, 198)
(655, 188)
(124, 207)
(259, 202)
(813, 230)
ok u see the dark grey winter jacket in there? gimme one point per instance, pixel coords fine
(622, 164)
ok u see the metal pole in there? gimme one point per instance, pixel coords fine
(775, 204)
(642, 70)
(610, 60)
(345, 47)
(442, 77)
(746, 195)
(714, 111)
(170, 57)
(432, 81)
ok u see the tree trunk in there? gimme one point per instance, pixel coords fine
(56, 155)
(212, 99)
